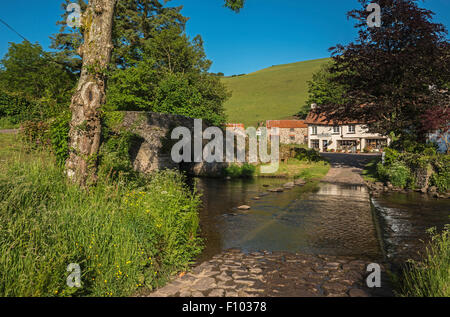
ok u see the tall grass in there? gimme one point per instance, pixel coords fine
(124, 235)
(430, 277)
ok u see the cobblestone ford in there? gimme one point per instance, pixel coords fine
(278, 274)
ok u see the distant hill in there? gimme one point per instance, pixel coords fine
(274, 93)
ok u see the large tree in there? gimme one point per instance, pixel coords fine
(96, 51)
(393, 74)
(85, 126)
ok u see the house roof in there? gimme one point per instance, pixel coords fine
(286, 124)
(235, 125)
(321, 119)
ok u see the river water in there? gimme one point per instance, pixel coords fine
(316, 219)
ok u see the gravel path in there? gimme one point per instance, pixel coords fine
(9, 131)
(346, 168)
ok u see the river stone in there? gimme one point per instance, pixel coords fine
(276, 190)
(289, 185)
(432, 189)
(299, 182)
(244, 207)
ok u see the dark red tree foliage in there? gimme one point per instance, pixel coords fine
(397, 74)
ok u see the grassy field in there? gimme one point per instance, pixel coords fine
(277, 92)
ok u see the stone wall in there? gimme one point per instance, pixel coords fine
(153, 151)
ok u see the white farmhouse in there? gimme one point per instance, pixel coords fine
(325, 136)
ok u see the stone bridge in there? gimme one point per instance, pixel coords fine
(153, 150)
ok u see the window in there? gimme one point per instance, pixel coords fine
(314, 130)
(336, 130)
(351, 129)
(292, 130)
(315, 144)
(376, 143)
(292, 138)
(347, 143)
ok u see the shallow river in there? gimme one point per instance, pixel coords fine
(320, 219)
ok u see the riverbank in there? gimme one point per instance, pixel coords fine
(421, 178)
(294, 168)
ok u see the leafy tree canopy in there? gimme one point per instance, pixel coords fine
(135, 22)
(29, 73)
(155, 66)
(171, 78)
(324, 89)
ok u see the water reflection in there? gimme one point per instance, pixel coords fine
(328, 219)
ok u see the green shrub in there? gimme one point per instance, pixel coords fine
(308, 155)
(124, 237)
(429, 151)
(59, 135)
(114, 155)
(18, 109)
(441, 177)
(430, 277)
(236, 171)
(391, 156)
(412, 146)
(8, 123)
(248, 170)
(397, 173)
(233, 171)
(35, 133)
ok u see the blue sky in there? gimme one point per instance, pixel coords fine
(265, 33)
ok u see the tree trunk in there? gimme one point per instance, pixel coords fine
(90, 95)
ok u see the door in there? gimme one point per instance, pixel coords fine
(325, 145)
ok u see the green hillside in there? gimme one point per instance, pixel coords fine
(274, 93)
